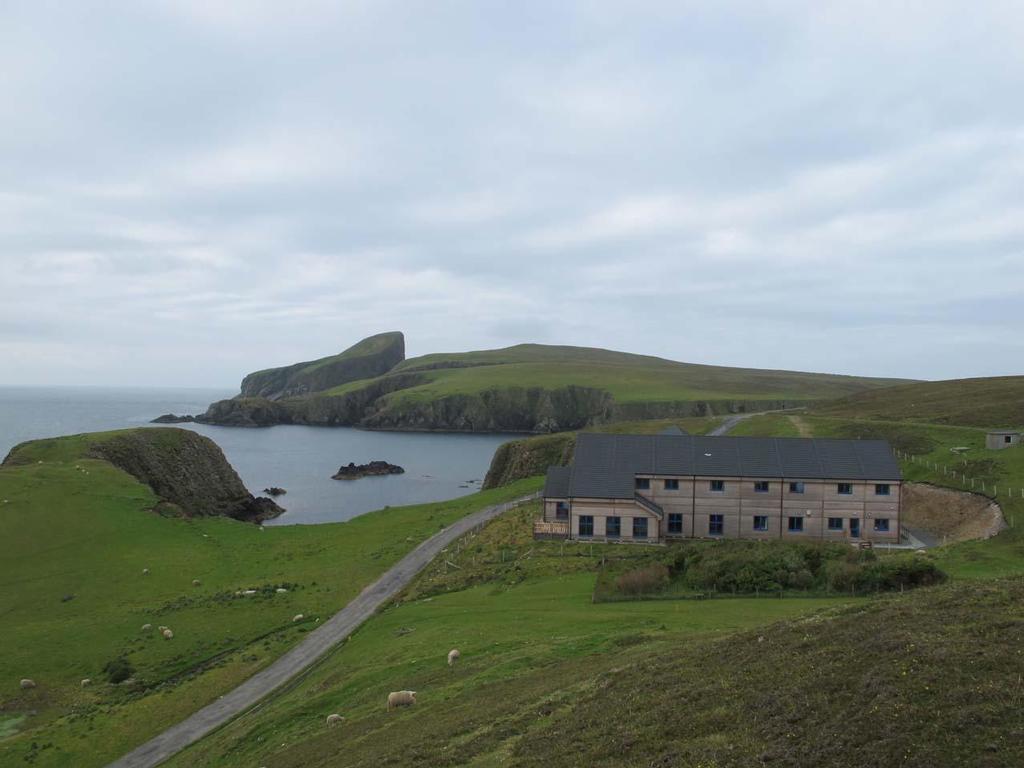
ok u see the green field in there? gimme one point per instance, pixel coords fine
(628, 378)
(78, 528)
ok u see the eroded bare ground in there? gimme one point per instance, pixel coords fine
(949, 515)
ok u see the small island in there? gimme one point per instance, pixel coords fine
(275, 491)
(354, 471)
(171, 418)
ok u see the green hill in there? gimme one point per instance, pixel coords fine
(989, 402)
(370, 357)
(538, 388)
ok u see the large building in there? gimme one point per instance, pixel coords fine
(652, 488)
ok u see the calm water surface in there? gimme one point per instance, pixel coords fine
(298, 459)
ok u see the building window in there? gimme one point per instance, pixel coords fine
(561, 510)
(796, 524)
(716, 525)
(613, 527)
(675, 522)
(586, 525)
(844, 489)
(671, 485)
(796, 487)
(717, 486)
(760, 522)
(881, 489)
(639, 527)
(643, 483)
(882, 524)
(761, 486)
(1007, 439)
(835, 523)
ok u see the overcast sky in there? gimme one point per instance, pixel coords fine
(193, 190)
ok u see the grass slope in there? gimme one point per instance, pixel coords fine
(989, 402)
(629, 378)
(78, 528)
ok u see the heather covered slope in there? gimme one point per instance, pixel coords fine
(988, 402)
(538, 388)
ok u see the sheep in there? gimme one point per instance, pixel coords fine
(401, 699)
(280, 590)
(298, 617)
(333, 720)
(86, 682)
(453, 656)
(248, 592)
(145, 571)
(167, 634)
(195, 582)
(27, 683)
(146, 627)
(161, 629)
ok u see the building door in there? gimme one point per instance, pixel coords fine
(854, 527)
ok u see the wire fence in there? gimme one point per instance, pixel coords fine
(955, 473)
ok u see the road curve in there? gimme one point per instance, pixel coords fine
(310, 650)
(726, 426)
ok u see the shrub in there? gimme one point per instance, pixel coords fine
(643, 581)
(118, 670)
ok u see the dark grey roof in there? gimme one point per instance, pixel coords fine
(673, 430)
(556, 484)
(605, 465)
(1004, 431)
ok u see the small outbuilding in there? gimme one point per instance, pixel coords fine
(998, 439)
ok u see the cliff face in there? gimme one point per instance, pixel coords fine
(185, 469)
(529, 457)
(371, 357)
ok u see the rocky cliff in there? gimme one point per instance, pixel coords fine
(371, 357)
(529, 457)
(186, 470)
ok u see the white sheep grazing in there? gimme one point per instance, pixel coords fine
(27, 683)
(453, 656)
(161, 628)
(195, 582)
(145, 571)
(248, 592)
(333, 720)
(86, 682)
(167, 634)
(280, 590)
(298, 617)
(401, 699)
(146, 627)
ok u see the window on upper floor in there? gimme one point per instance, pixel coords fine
(717, 486)
(835, 523)
(796, 487)
(716, 525)
(795, 524)
(882, 524)
(675, 522)
(760, 522)
(761, 486)
(671, 485)
(844, 489)
(643, 483)
(881, 489)
(561, 510)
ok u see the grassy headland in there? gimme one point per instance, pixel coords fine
(76, 534)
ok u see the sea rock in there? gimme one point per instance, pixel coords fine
(354, 471)
(274, 491)
(170, 418)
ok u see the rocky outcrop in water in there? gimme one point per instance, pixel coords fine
(170, 418)
(274, 491)
(353, 471)
(187, 471)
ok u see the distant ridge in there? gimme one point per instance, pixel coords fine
(533, 388)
